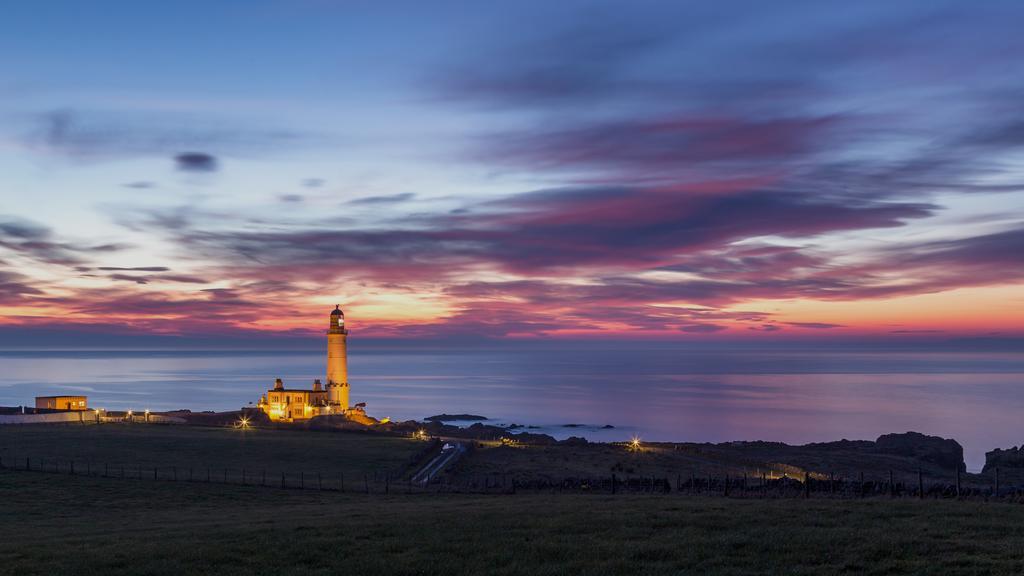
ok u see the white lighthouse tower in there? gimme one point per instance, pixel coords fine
(337, 362)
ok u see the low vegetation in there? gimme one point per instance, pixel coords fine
(185, 448)
(555, 462)
(59, 524)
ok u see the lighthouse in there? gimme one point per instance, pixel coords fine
(337, 361)
(299, 404)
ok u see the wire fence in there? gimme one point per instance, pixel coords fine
(691, 483)
(377, 482)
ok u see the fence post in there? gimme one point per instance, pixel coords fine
(892, 485)
(28, 464)
(174, 470)
(72, 472)
(225, 475)
(366, 483)
(342, 483)
(154, 472)
(807, 484)
(106, 469)
(263, 482)
(726, 488)
(319, 482)
(387, 483)
(189, 473)
(282, 480)
(997, 481)
(613, 483)
(920, 485)
(302, 480)
(957, 482)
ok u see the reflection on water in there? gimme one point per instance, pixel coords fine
(659, 394)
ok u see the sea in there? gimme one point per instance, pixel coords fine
(602, 393)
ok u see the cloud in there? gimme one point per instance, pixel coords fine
(815, 325)
(574, 228)
(35, 241)
(130, 278)
(22, 229)
(15, 287)
(134, 268)
(996, 258)
(146, 279)
(94, 135)
(392, 199)
(196, 162)
(664, 145)
(702, 328)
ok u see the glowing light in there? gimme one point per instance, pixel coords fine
(634, 444)
(243, 423)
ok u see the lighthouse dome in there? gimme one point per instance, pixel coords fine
(337, 311)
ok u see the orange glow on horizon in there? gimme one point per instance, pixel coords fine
(964, 311)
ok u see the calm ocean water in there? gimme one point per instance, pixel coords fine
(977, 398)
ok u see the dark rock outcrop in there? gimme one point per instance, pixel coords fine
(943, 452)
(1011, 458)
(574, 441)
(455, 417)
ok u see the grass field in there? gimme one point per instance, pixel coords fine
(598, 460)
(184, 447)
(58, 524)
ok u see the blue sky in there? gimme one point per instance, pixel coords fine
(690, 170)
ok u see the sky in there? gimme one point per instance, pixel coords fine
(686, 171)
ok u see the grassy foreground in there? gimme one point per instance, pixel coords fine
(183, 447)
(57, 524)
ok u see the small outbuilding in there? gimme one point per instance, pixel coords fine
(62, 402)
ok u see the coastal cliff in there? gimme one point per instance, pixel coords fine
(1010, 458)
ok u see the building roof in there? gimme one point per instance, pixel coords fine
(62, 396)
(308, 390)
